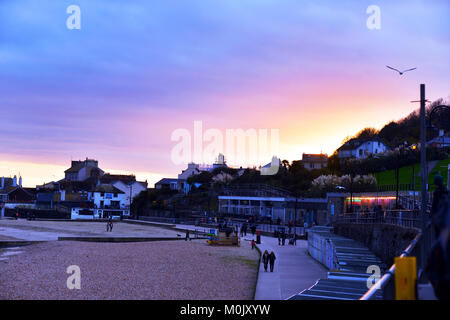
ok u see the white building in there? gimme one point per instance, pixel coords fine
(192, 169)
(314, 161)
(361, 148)
(130, 189)
(109, 200)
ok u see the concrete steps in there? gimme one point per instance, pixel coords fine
(349, 281)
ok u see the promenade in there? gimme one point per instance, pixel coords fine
(294, 270)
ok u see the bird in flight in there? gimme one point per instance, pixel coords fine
(401, 72)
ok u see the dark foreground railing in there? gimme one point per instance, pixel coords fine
(386, 283)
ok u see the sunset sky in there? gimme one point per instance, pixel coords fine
(136, 71)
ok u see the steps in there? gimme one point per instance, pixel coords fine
(349, 280)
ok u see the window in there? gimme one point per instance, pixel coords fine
(102, 194)
(115, 195)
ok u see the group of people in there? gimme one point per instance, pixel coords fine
(282, 238)
(268, 259)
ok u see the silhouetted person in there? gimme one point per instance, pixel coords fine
(253, 228)
(439, 206)
(265, 259)
(438, 263)
(272, 260)
(109, 224)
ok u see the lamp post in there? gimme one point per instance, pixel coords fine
(423, 169)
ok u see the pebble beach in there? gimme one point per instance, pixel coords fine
(165, 270)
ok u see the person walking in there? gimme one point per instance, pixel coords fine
(187, 235)
(272, 260)
(283, 238)
(294, 240)
(279, 238)
(253, 244)
(265, 259)
(109, 224)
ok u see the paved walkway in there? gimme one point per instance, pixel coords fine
(294, 270)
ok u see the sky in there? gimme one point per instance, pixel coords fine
(136, 71)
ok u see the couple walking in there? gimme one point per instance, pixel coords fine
(268, 259)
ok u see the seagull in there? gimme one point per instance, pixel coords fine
(401, 72)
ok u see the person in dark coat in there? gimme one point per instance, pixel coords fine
(272, 260)
(265, 259)
(438, 264)
(109, 224)
(283, 238)
(253, 228)
(244, 229)
(439, 206)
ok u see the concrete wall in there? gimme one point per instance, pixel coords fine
(385, 241)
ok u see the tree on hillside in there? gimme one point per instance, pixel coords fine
(367, 133)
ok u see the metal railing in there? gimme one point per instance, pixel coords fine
(386, 283)
(404, 218)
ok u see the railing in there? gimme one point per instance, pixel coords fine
(404, 218)
(386, 283)
(207, 221)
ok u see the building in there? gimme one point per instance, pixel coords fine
(12, 194)
(362, 148)
(192, 169)
(314, 161)
(108, 200)
(439, 142)
(271, 203)
(170, 184)
(82, 170)
(130, 189)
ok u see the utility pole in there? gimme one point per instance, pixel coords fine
(131, 188)
(396, 184)
(424, 175)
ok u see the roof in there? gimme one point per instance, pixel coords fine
(107, 188)
(440, 140)
(355, 143)
(75, 168)
(270, 164)
(125, 178)
(169, 180)
(314, 157)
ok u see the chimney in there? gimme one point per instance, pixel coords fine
(15, 181)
